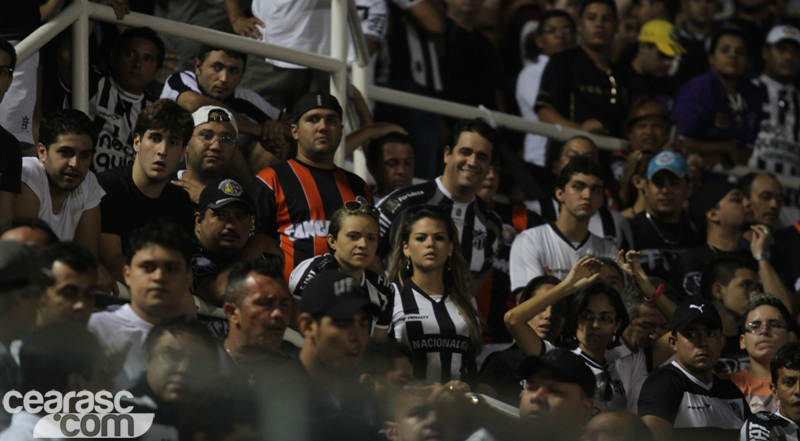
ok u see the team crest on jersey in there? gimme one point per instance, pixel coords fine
(509, 233)
(479, 242)
(394, 203)
(230, 187)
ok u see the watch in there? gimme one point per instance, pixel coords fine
(761, 256)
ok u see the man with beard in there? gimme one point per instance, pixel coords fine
(57, 186)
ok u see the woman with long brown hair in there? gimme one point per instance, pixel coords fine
(434, 305)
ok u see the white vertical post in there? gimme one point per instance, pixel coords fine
(80, 60)
(339, 51)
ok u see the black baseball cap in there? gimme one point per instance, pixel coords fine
(706, 198)
(315, 100)
(564, 366)
(20, 267)
(691, 310)
(337, 295)
(223, 192)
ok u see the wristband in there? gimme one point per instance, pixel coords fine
(761, 256)
(659, 291)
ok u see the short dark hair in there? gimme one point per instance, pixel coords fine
(165, 114)
(144, 33)
(375, 148)
(8, 48)
(72, 254)
(269, 266)
(610, 3)
(746, 181)
(33, 223)
(787, 357)
(580, 164)
(179, 324)
(481, 127)
(723, 32)
(162, 233)
(380, 354)
(722, 269)
(64, 122)
(50, 353)
(581, 300)
(534, 284)
(763, 299)
(206, 49)
(551, 14)
(555, 148)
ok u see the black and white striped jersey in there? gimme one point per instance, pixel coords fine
(379, 289)
(768, 426)
(435, 331)
(479, 228)
(776, 149)
(114, 113)
(243, 101)
(696, 410)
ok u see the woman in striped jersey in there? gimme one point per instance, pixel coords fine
(434, 305)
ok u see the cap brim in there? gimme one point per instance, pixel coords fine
(347, 307)
(219, 204)
(680, 327)
(670, 49)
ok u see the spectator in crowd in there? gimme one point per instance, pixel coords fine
(774, 147)
(446, 337)
(352, 245)
(58, 187)
(322, 385)
(296, 199)
(470, 62)
(61, 358)
(559, 245)
(141, 192)
(718, 113)
(662, 231)
(694, 34)
(117, 99)
(471, 150)
(617, 425)
(646, 327)
(697, 340)
(633, 183)
(556, 33)
(22, 282)
(207, 14)
(158, 274)
(580, 88)
(221, 409)
(787, 242)
(782, 423)
(390, 161)
(10, 150)
(33, 231)
(499, 376)
(645, 75)
(763, 199)
(606, 223)
(258, 306)
(767, 327)
(718, 209)
(210, 150)
(558, 393)
(386, 369)
(71, 297)
(596, 315)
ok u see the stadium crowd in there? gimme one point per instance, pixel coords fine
(190, 239)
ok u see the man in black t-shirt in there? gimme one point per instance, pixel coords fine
(580, 89)
(684, 399)
(10, 153)
(646, 72)
(662, 231)
(141, 193)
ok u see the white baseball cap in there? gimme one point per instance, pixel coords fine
(783, 32)
(203, 116)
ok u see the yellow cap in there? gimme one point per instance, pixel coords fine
(660, 33)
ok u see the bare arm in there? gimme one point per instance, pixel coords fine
(47, 9)
(111, 256)
(27, 203)
(661, 428)
(428, 16)
(192, 101)
(760, 243)
(242, 25)
(550, 115)
(630, 263)
(368, 133)
(87, 233)
(6, 206)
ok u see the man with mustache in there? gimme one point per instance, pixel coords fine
(57, 186)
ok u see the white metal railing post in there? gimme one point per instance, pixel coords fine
(80, 59)
(47, 31)
(339, 35)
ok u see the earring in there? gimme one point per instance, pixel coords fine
(449, 263)
(408, 264)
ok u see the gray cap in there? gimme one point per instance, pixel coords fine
(20, 267)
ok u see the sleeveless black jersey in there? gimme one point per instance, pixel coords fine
(479, 228)
(379, 289)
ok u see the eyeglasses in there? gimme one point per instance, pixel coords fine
(613, 87)
(756, 327)
(604, 318)
(360, 206)
(209, 138)
(6, 71)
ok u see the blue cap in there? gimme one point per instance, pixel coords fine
(671, 161)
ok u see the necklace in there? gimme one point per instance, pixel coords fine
(660, 234)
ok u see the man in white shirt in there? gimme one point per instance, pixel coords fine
(556, 32)
(58, 187)
(159, 275)
(559, 245)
